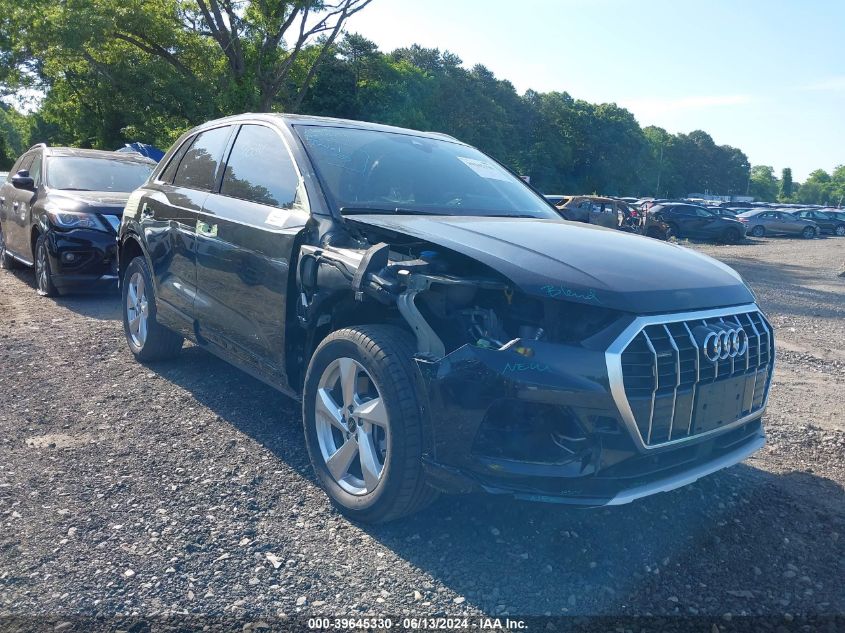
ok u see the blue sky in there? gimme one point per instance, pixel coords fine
(765, 76)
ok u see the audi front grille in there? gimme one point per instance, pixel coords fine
(670, 388)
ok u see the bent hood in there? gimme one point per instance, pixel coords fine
(109, 201)
(582, 263)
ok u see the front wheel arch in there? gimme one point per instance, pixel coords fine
(130, 248)
(34, 234)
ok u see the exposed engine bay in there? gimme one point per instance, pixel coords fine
(447, 299)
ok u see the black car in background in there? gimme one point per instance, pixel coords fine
(443, 326)
(689, 220)
(838, 214)
(60, 209)
(828, 222)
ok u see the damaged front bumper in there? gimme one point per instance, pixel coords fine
(539, 421)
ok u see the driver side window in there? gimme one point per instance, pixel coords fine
(35, 170)
(260, 169)
(24, 164)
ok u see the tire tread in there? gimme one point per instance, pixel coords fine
(392, 347)
(161, 343)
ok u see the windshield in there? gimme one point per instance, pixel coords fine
(369, 171)
(80, 173)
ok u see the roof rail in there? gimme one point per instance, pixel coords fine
(36, 146)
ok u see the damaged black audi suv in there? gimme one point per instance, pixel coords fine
(443, 327)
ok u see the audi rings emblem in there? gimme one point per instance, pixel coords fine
(723, 344)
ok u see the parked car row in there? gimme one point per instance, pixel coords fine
(683, 219)
(443, 327)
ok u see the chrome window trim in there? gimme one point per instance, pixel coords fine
(613, 360)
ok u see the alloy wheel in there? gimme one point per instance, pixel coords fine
(42, 271)
(353, 429)
(840, 230)
(137, 309)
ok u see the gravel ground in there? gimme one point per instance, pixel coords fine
(184, 487)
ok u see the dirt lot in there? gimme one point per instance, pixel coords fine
(184, 487)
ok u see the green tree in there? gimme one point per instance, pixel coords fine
(762, 183)
(817, 189)
(241, 51)
(785, 184)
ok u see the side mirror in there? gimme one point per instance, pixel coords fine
(22, 180)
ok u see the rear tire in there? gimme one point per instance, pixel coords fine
(147, 339)
(7, 262)
(808, 233)
(382, 477)
(43, 274)
(758, 231)
(839, 230)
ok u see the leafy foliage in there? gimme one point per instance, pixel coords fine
(113, 71)
(823, 188)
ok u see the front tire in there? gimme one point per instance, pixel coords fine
(808, 233)
(731, 236)
(147, 339)
(674, 231)
(363, 425)
(839, 231)
(43, 273)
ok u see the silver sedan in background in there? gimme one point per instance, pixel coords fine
(762, 222)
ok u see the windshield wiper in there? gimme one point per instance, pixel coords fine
(74, 189)
(402, 211)
(395, 211)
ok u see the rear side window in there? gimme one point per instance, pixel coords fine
(197, 170)
(260, 169)
(170, 171)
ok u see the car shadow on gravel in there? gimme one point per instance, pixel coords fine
(741, 540)
(249, 405)
(738, 541)
(102, 306)
(95, 304)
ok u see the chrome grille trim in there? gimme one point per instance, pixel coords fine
(730, 317)
(697, 374)
(656, 372)
(677, 380)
